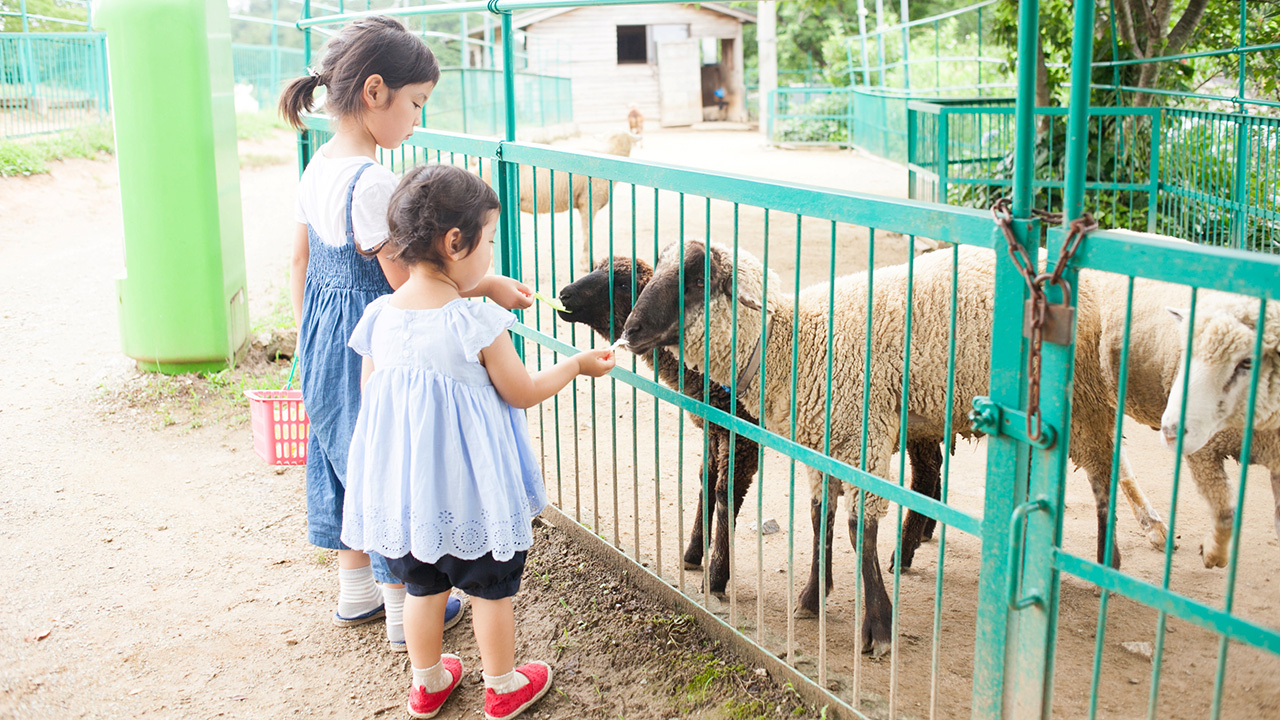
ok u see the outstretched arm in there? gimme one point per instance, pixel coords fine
(507, 292)
(520, 389)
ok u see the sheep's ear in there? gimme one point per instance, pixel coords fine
(1179, 314)
(751, 297)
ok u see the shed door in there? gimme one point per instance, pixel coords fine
(679, 83)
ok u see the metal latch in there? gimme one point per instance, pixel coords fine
(990, 418)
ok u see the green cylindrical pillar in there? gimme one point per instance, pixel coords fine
(182, 295)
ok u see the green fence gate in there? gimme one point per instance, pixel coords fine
(1014, 614)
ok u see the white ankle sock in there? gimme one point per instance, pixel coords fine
(433, 679)
(503, 684)
(393, 599)
(357, 592)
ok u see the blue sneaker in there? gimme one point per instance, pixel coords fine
(454, 609)
(345, 622)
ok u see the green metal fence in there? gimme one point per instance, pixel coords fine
(267, 68)
(846, 117)
(52, 81)
(1202, 176)
(1003, 619)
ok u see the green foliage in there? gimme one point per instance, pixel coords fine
(68, 9)
(30, 156)
(825, 124)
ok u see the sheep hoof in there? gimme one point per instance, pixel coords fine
(804, 613)
(1158, 534)
(1211, 558)
(878, 648)
(692, 566)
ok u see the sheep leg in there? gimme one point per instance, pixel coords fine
(693, 553)
(926, 477)
(1152, 524)
(745, 460)
(1211, 480)
(877, 627)
(808, 604)
(1275, 492)
(1100, 482)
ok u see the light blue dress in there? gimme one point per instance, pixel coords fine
(440, 464)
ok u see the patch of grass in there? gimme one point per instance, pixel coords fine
(280, 316)
(30, 156)
(191, 401)
(259, 125)
(754, 710)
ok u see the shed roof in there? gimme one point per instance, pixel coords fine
(524, 20)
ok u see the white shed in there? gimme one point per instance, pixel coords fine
(668, 60)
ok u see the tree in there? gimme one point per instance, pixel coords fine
(1144, 26)
(71, 10)
(1147, 29)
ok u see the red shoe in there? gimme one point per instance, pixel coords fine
(509, 705)
(423, 704)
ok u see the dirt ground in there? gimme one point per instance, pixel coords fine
(156, 568)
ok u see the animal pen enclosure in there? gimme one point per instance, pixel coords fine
(1024, 608)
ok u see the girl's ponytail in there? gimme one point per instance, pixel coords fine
(299, 95)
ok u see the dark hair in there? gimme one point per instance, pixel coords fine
(430, 201)
(372, 46)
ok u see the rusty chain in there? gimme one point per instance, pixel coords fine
(1038, 309)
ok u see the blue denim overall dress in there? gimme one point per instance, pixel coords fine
(340, 283)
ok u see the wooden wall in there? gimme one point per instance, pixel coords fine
(602, 89)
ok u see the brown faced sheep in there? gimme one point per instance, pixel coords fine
(655, 322)
(588, 301)
(538, 194)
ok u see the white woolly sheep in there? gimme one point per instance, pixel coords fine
(655, 321)
(1156, 342)
(589, 195)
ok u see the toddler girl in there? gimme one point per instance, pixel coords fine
(377, 77)
(441, 477)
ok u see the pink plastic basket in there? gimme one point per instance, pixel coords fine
(280, 426)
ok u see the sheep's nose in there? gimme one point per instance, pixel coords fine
(633, 328)
(566, 293)
(1169, 433)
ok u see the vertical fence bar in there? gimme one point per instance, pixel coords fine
(1006, 459)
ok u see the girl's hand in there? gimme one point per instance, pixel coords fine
(595, 362)
(508, 292)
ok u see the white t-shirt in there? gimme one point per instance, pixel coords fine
(322, 199)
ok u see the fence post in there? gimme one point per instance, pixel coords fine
(998, 627)
(912, 138)
(1239, 218)
(1153, 169)
(942, 156)
(508, 173)
(1239, 183)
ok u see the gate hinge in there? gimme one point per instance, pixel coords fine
(991, 418)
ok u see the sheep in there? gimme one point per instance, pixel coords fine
(654, 322)
(1156, 341)
(635, 120)
(1221, 365)
(587, 301)
(589, 195)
